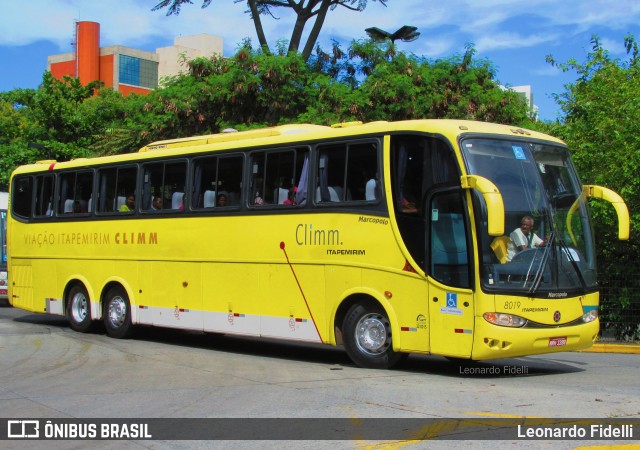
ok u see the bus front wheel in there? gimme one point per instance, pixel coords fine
(117, 313)
(79, 309)
(367, 337)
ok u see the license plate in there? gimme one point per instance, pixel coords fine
(557, 342)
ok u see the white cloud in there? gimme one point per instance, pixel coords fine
(500, 41)
(26, 22)
(444, 26)
(614, 47)
(547, 71)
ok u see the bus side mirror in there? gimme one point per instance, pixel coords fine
(618, 203)
(493, 199)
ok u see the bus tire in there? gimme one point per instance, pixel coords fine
(367, 337)
(117, 313)
(79, 309)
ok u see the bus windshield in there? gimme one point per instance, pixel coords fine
(548, 247)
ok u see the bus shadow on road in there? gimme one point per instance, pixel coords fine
(337, 358)
(498, 368)
(334, 357)
(43, 319)
(246, 345)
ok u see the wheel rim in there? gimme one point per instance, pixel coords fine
(117, 311)
(372, 334)
(79, 307)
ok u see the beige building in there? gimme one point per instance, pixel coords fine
(171, 60)
(525, 91)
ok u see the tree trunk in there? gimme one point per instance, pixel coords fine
(315, 31)
(258, 25)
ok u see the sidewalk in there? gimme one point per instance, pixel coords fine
(613, 347)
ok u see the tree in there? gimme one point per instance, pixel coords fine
(391, 85)
(304, 10)
(60, 120)
(601, 115)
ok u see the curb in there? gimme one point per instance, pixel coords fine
(632, 349)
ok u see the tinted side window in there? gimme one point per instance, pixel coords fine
(114, 186)
(348, 172)
(75, 192)
(418, 165)
(163, 186)
(276, 177)
(44, 195)
(21, 196)
(217, 181)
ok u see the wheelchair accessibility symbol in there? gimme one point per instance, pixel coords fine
(452, 300)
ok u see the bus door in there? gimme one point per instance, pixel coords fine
(451, 309)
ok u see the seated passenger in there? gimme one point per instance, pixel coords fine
(291, 197)
(222, 200)
(156, 204)
(129, 205)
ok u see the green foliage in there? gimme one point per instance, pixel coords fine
(407, 87)
(370, 81)
(601, 115)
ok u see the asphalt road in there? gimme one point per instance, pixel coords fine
(49, 371)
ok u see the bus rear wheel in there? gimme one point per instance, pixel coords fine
(117, 313)
(79, 309)
(367, 337)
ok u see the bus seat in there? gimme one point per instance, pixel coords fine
(333, 195)
(370, 190)
(49, 210)
(280, 195)
(68, 206)
(120, 200)
(499, 247)
(89, 204)
(176, 200)
(209, 199)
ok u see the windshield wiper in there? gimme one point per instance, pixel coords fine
(537, 279)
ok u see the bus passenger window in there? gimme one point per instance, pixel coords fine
(347, 173)
(277, 177)
(76, 189)
(21, 196)
(215, 177)
(114, 185)
(44, 195)
(165, 180)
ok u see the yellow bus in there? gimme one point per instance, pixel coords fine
(388, 238)
(4, 199)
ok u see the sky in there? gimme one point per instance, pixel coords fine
(516, 36)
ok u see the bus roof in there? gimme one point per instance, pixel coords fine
(291, 134)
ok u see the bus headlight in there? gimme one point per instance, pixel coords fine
(504, 320)
(590, 316)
